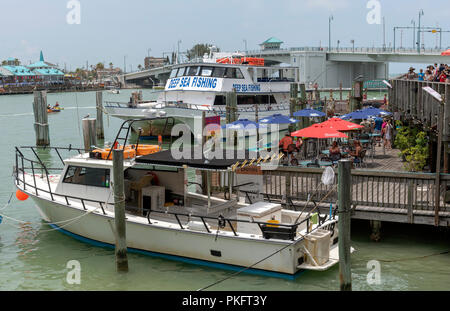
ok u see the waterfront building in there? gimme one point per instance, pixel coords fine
(271, 44)
(36, 73)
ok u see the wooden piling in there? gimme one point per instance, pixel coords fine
(344, 203)
(293, 104)
(119, 212)
(303, 103)
(89, 133)
(41, 127)
(99, 104)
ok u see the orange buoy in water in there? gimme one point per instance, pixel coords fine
(22, 196)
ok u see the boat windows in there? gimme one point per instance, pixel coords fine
(234, 73)
(87, 176)
(193, 71)
(206, 71)
(173, 73)
(181, 71)
(219, 72)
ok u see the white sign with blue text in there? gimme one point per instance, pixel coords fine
(194, 83)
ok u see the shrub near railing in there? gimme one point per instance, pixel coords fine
(413, 145)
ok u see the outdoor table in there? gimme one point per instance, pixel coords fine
(327, 152)
(321, 163)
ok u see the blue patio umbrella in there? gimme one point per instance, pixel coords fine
(357, 115)
(308, 112)
(278, 119)
(242, 124)
(377, 111)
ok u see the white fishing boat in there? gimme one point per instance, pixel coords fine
(201, 86)
(165, 218)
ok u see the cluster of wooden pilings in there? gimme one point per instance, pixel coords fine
(92, 127)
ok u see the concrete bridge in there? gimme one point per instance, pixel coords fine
(328, 68)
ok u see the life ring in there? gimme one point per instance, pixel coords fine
(144, 149)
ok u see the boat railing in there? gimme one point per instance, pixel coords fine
(268, 229)
(207, 108)
(24, 166)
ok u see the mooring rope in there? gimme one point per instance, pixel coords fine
(265, 258)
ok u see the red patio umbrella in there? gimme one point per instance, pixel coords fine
(446, 52)
(341, 125)
(319, 131)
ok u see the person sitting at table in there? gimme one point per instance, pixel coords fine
(299, 144)
(356, 153)
(285, 142)
(335, 152)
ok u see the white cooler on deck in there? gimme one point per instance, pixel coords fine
(260, 211)
(318, 244)
(157, 195)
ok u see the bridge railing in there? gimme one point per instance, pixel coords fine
(389, 50)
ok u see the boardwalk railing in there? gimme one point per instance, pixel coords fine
(413, 193)
(409, 98)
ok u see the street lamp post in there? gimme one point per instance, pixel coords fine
(148, 52)
(353, 44)
(418, 32)
(124, 64)
(245, 41)
(329, 32)
(414, 32)
(338, 44)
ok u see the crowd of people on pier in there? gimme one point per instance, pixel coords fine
(433, 73)
(377, 131)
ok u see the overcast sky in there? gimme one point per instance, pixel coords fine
(111, 29)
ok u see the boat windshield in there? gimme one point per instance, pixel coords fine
(234, 73)
(193, 71)
(219, 72)
(206, 71)
(173, 73)
(181, 71)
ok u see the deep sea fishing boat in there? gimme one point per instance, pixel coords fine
(202, 85)
(168, 219)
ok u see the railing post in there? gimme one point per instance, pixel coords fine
(438, 165)
(411, 188)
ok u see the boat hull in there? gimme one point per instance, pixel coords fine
(176, 242)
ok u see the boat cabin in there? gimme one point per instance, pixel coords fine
(207, 83)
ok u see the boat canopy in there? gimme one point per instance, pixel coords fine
(224, 162)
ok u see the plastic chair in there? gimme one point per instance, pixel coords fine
(360, 159)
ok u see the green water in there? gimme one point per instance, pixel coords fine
(33, 258)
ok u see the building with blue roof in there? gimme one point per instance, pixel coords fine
(40, 72)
